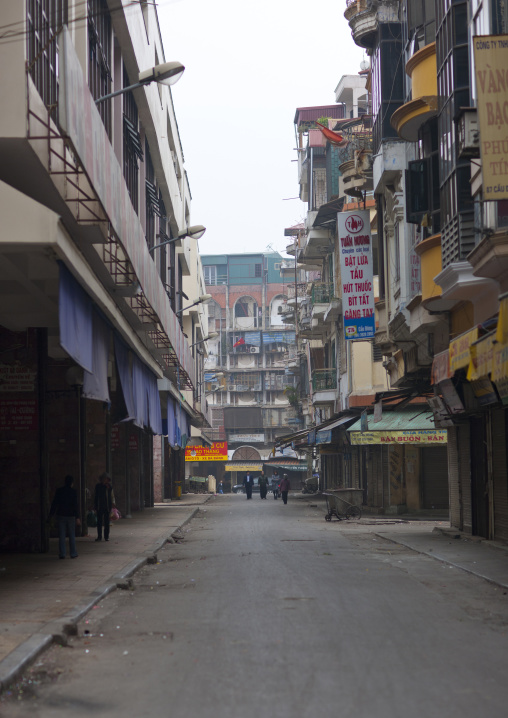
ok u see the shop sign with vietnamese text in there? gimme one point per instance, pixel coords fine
(218, 451)
(356, 267)
(491, 74)
(417, 437)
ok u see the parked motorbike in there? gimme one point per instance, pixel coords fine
(310, 486)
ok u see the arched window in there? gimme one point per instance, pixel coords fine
(246, 313)
(275, 315)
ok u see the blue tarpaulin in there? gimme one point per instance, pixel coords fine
(75, 318)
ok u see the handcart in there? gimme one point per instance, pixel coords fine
(340, 508)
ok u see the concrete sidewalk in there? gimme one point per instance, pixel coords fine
(42, 598)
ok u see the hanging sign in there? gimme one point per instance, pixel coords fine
(355, 251)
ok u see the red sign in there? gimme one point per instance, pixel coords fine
(115, 437)
(218, 451)
(18, 414)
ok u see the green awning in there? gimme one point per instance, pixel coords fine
(419, 418)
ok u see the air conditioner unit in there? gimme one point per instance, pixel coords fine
(215, 387)
(468, 133)
(231, 387)
(254, 350)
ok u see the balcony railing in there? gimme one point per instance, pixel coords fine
(324, 379)
(297, 290)
(322, 293)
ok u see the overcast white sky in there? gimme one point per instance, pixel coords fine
(249, 65)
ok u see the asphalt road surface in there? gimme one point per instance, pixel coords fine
(266, 610)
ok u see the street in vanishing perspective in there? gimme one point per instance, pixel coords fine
(262, 609)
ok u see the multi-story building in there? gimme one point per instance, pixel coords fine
(442, 236)
(94, 247)
(253, 396)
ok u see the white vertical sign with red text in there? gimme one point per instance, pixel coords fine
(356, 267)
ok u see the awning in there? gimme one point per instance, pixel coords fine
(283, 441)
(324, 435)
(243, 466)
(290, 464)
(415, 426)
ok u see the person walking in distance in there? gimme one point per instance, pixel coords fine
(275, 483)
(248, 483)
(284, 488)
(263, 485)
(104, 501)
(65, 506)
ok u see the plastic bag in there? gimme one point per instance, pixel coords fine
(115, 515)
(91, 519)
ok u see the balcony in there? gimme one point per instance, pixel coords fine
(297, 292)
(422, 70)
(429, 251)
(321, 293)
(356, 158)
(362, 18)
(324, 386)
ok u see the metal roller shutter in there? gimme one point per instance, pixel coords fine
(435, 477)
(453, 478)
(499, 474)
(465, 477)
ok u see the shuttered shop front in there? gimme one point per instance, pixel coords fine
(499, 473)
(435, 477)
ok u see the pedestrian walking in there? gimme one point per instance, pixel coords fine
(275, 483)
(65, 506)
(263, 485)
(221, 487)
(104, 502)
(248, 483)
(284, 488)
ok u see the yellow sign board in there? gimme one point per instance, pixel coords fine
(243, 467)
(417, 437)
(482, 354)
(491, 61)
(460, 354)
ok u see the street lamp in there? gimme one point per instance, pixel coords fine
(168, 73)
(196, 231)
(203, 299)
(212, 335)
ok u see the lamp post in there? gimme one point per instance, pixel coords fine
(168, 73)
(196, 231)
(212, 335)
(203, 299)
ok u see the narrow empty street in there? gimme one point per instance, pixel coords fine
(267, 610)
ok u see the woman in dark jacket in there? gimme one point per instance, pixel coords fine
(284, 488)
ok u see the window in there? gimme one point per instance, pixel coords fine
(99, 57)
(258, 270)
(210, 273)
(151, 199)
(132, 149)
(44, 19)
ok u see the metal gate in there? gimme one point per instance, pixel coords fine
(435, 478)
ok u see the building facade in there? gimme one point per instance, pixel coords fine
(94, 243)
(441, 192)
(251, 392)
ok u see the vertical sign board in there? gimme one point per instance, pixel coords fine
(491, 74)
(355, 251)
